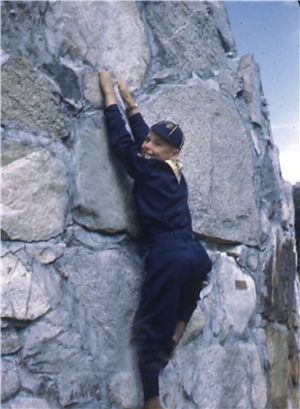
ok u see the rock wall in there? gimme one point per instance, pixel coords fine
(71, 258)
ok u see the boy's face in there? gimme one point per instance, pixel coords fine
(158, 148)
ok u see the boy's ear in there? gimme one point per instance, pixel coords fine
(175, 154)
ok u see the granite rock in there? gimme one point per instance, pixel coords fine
(222, 24)
(249, 69)
(23, 30)
(10, 380)
(9, 341)
(223, 205)
(72, 254)
(238, 294)
(27, 402)
(34, 197)
(28, 98)
(279, 274)
(222, 377)
(180, 40)
(23, 294)
(92, 35)
(277, 347)
(97, 293)
(104, 200)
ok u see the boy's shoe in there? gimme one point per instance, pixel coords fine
(153, 403)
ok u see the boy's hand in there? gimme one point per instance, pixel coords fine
(106, 82)
(124, 92)
(107, 87)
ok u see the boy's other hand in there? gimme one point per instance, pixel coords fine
(124, 92)
(107, 87)
(106, 82)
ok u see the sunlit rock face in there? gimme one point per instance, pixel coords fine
(72, 258)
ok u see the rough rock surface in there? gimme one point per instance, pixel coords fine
(10, 380)
(9, 341)
(223, 203)
(109, 208)
(186, 24)
(28, 100)
(77, 33)
(34, 197)
(71, 255)
(23, 296)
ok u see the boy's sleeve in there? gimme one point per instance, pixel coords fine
(121, 143)
(138, 127)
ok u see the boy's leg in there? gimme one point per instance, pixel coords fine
(155, 321)
(201, 266)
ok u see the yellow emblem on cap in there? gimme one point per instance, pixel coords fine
(169, 125)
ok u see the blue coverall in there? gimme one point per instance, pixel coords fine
(176, 265)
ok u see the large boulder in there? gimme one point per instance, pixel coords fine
(28, 98)
(84, 342)
(277, 346)
(104, 199)
(103, 35)
(10, 380)
(24, 296)
(222, 199)
(23, 30)
(216, 377)
(279, 275)
(181, 45)
(34, 197)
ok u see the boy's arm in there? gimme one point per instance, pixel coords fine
(120, 139)
(137, 124)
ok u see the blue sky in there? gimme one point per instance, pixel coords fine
(270, 31)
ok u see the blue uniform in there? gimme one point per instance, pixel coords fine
(177, 264)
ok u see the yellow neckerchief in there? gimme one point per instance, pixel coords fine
(176, 166)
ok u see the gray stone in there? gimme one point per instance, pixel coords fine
(117, 40)
(23, 295)
(230, 81)
(34, 196)
(9, 341)
(249, 69)
(180, 39)
(277, 370)
(221, 377)
(67, 80)
(72, 275)
(4, 57)
(45, 253)
(27, 402)
(105, 200)
(22, 30)
(223, 26)
(222, 199)
(237, 301)
(279, 277)
(27, 99)
(288, 209)
(95, 311)
(194, 327)
(10, 381)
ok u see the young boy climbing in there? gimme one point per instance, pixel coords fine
(177, 264)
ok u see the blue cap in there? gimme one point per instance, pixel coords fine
(170, 132)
